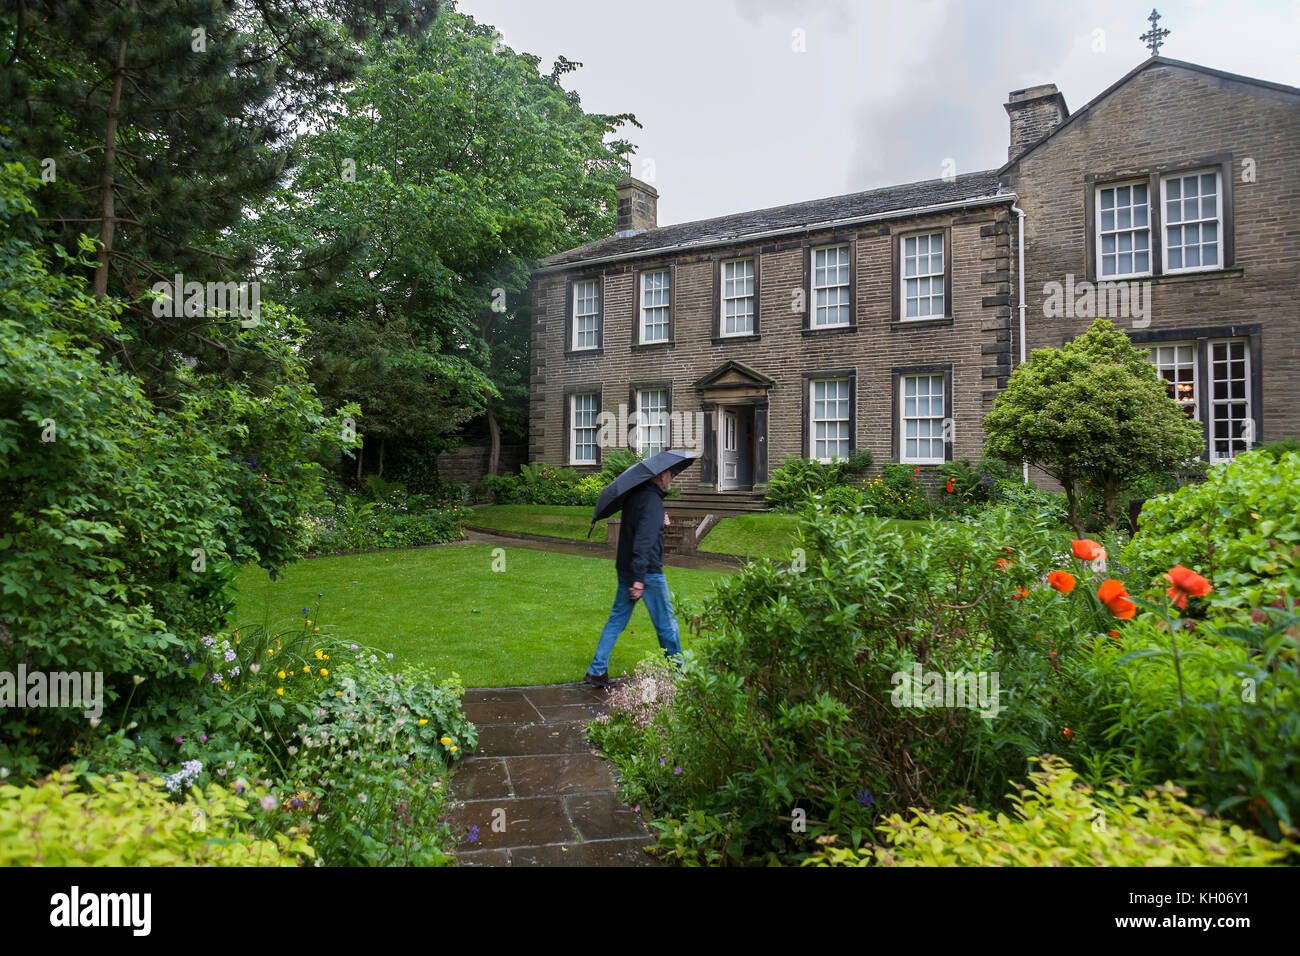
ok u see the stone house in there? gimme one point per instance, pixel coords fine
(888, 320)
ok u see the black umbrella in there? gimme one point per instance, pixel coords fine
(611, 499)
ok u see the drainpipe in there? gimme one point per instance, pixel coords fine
(1020, 276)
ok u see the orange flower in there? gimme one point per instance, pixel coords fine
(1068, 733)
(1086, 549)
(1003, 564)
(1186, 583)
(1063, 581)
(1114, 634)
(1019, 593)
(1115, 596)
(950, 487)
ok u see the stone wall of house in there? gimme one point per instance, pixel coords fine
(1166, 119)
(975, 341)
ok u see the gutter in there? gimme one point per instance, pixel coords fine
(786, 231)
(1020, 298)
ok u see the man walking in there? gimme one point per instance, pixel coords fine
(640, 574)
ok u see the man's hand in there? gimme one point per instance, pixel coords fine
(636, 590)
(666, 519)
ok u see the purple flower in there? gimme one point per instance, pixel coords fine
(473, 833)
(662, 761)
(180, 740)
(230, 656)
(677, 771)
(865, 798)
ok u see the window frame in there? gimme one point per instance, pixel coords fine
(944, 275)
(1195, 402)
(811, 320)
(1219, 220)
(898, 407)
(568, 422)
(1211, 402)
(807, 427)
(1152, 229)
(635, 389)
(722, 332)
(571, 341)
(638, 306)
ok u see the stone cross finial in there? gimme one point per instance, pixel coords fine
(1155, 36)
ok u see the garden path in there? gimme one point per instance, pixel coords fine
(534, 793)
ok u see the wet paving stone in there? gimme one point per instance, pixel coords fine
(516, 740)
(534, 767)
(603, 853)
(527, 822)
(603, 816)
(569, 773)
(479, 778)
(501, 711)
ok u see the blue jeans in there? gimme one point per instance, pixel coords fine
(660, 606)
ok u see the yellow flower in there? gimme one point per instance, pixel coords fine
(269, 652)
(324, 672)
(327, 657)
(306, 669)
(423, 721)
(280, 691)
(315, 630)
(338, 693)
(280, 675)
(445, 741)
(453, 748)
(319, 655)
(309, 623)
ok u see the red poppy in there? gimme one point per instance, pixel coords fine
(1186, 583)
(1063, 581)
(1115, 596)
(917, 470)
(1068, 733)
(951, 489)
(1019, 593)
(1086, 549)
(1114, 634)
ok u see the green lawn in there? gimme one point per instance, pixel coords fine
(769, 534)
(535, 622)
(554, 521)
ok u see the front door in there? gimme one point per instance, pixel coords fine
(736, 454)
(730, 456)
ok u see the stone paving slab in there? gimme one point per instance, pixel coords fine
(534, 792)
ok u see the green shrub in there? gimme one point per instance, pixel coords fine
(897, 493)
(1240, 528)
(617, 461)
(796, 480)
(857, 464)
(1282, 447)
(394, 519)
(1063, 823)
(130, 820)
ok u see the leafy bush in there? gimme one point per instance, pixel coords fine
(1063, 823)
(616, 462)
(121, 519)
(130, 820)
(344, 522)
(796, 480)
(857, 464)
(541, 484)
(896, 494)
(1282, 447)
(1240, 528)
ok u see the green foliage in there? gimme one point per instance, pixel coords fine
(1240, 528)
(541, 484)
(617, 461)
(1060, 822)
(897, 493)
(1094, 414)
(129, 820)
(797, 480)
(344, 522)
(120, 522)
(1282, 447)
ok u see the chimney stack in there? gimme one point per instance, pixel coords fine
(1034, 113)
(638, 206)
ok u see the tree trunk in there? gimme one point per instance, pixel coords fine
(381, 457)
(1073, 502)
(494, 431)
(107, 205)
(361, 450)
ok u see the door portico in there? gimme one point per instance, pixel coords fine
(734, 399)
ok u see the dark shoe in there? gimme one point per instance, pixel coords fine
(598, 680)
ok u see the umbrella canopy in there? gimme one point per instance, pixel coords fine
(611, 499)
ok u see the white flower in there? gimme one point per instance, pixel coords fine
(255, 668)
(4, 772)
(269, 802)
(362, 798)
(240, 785)
(293, 751)
(94, 721)
(137, 679)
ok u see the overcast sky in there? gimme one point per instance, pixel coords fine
(736, 117)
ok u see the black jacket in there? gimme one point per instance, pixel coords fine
(641, 537)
